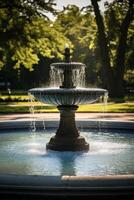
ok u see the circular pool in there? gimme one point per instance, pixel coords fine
(24, 152)
(27, 170)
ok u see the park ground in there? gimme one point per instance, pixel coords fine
(79, 116)
(18, 106)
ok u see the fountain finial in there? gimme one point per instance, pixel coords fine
(67, 54)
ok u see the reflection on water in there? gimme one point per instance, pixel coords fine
(25, 153)
(66, 161)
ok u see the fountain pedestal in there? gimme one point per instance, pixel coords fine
(67, 137)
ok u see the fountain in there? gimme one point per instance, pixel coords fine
(67, 98)
(28, 171)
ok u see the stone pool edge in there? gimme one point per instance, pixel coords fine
(84, 123)
(53, 187)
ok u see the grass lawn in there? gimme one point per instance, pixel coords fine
(24, 107)
(13, 98)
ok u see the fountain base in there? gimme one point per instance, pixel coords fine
(67, 137)
(68, 144)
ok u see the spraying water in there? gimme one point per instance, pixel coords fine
(57, 77)
(32, 113)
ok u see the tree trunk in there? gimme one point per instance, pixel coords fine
(104, 51)
(121, 51)
(113, 79)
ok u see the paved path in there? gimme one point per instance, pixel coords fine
(54, 116)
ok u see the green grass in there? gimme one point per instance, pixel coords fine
(22, 96)
(14, 98)
(14, 92)
(111, 108)
(18, 102)
(24, 107)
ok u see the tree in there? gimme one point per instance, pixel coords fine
(26, 33)
(28, 8)
(113, 75)
(74, 23)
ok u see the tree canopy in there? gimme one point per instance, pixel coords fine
(25, 33)
(28, 8)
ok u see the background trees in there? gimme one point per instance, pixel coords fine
(103, 41)
(113, 42)
(26, 35)
(80, 28)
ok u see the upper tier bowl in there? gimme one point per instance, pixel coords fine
(68, 97)
(70, 65)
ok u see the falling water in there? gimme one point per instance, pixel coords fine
(78, 77)
(56, 77)
(35, 120)
(32, 112)
(41, 117)
(103, 101)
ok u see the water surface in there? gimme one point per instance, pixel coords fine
(24, 152)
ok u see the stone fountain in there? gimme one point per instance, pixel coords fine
(67, 97)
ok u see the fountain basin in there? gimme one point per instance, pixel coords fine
(53, 187)
(63, 96)
(23, 152)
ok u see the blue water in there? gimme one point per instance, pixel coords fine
(24, 152)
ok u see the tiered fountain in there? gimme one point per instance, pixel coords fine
(67, 98)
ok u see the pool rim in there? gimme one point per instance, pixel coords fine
(82, 123)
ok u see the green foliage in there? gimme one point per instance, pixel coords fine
(24, 36)
(27, 35)
(29, 8)
(14, 98)
(80, 28)
(42, 39)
